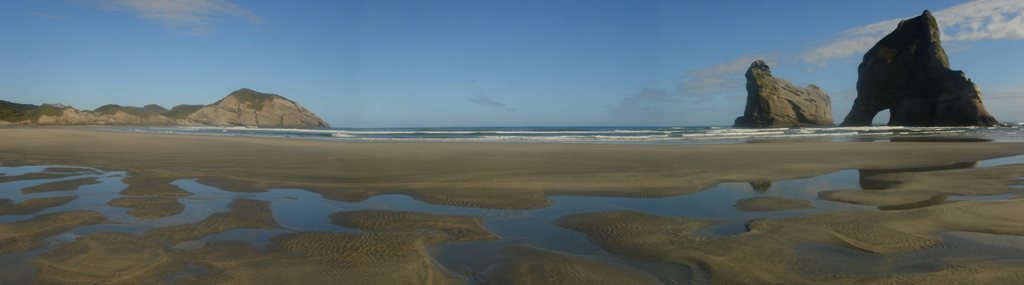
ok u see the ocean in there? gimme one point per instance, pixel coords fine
(620, 135)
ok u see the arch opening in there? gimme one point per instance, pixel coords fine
(881, 118)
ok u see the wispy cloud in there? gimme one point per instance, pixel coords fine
(697, 87)
(49, 16)
(1004, 102)
(641, 103)
(191, 16)
(971, 21)
(653, 106)
(722, 78)
(487, 101)
(961, 25)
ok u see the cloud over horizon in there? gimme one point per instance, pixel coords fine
(1005, 101)
(642, 102)
(721, 78)
(971, 21)
(191, 16)
(961, 24)
(487, 101)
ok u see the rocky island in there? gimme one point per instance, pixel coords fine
(775, 102)
(243, 107)
(908, 73)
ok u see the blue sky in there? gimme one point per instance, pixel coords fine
(481, 63)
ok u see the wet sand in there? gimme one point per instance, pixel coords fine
(529, 265)
(149, 207)
(30, 234)
(108, 258)
(392, 246)
(32, 205)
(911, 187)
(393, 250)
(244, 213)
(765, 253)
(453, 228)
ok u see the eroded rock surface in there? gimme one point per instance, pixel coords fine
(908, 73)
(775, 102)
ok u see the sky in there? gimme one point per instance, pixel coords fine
(451, 63)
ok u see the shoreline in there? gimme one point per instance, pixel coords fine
(483, 175)
(588, 135)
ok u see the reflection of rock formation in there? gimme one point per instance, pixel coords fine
(774, 102)
(907, 72)
(868, 182)
(935, 200)
(938, 139)
(761, 186)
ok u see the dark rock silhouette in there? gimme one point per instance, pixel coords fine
(868, 181)
(908, 73)
(761, 186)
(775, 102)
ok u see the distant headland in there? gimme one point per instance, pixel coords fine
(243, 107)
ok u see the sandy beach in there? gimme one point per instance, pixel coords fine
(485, 175)
(919, 201)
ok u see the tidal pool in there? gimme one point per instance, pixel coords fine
(297, 210)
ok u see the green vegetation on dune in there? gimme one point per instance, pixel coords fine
(182, 111)
(154, 108)
(253, 98)
(112, 109)
(14, 112)
(243, 99)
(50, 110)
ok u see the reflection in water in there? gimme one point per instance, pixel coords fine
(941, 199)
(761, 186)
(869, 182)
(299, 210)
(940, 139)
(934, 200)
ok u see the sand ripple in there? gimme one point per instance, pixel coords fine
(107, 258)
(32, 205)
(245, 213)
(30, 234)
(149, 207)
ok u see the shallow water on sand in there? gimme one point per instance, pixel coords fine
(299, 210)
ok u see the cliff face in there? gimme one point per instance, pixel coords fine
(775, 102)
(908, 73)
(243, 107)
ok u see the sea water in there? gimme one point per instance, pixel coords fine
(654, 135)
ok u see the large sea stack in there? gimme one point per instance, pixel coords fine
(907, 72)
(775, 102)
